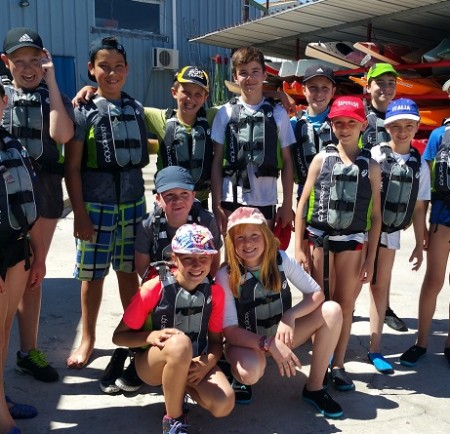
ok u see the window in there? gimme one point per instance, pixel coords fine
(140, 15)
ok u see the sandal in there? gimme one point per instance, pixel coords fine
(20, 411)
(341, 380)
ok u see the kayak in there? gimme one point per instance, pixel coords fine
(339, 53)
(388, 53)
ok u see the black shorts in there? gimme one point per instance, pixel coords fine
(335, 246)
(49, 194)
(268, 211)
(12, 253)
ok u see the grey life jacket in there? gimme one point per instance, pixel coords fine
(375, 133)
(441, 167)
(399, 188)
(251, 138)
(309, 142)
(340, 201)
(193, 150)
(259, 310)
(27, 117)
(188, 311)
(17, 201)
(116, 138)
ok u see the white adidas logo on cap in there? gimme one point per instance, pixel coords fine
(25, 38)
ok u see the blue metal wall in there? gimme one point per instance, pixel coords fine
(68, 26)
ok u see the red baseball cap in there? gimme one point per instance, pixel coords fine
(283, 234)
(348, 106)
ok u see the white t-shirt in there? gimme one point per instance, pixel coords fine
(297, 276)
(392, 240)
(263, 189)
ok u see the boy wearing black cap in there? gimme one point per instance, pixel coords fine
(42, 119)
(104, 180)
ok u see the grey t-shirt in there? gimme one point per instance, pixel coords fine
(103, 186)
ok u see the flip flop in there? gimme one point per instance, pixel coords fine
(20, 411)
(380, 363)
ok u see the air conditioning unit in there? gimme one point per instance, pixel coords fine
(165, 58)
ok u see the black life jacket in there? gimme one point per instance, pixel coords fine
(116, 138)
(259, 310)
(184, 310)
(375, 133)
(161, 241)
(17, 201)
(309, 142)
(441, 168)
(399, 188)
(27, 117)
(251, 138)
(193, 151)
(340, 202)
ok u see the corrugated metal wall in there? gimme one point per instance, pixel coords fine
(67, 26)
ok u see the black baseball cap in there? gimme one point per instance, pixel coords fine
(319, 71)
(192, 74)
(108, 43)
(20, 37)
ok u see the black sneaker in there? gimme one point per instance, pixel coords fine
(243, 393)
(394, 322)
(113, 371)
(412, 355)
(35, 364)
(323, 402)
(129, 381)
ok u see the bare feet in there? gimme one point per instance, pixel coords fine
(80, 357)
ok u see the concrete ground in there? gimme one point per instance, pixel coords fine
(412, 400)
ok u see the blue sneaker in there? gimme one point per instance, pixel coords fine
(380, 363)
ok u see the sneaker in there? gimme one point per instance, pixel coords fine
(325, 380)
(323, 402)
(20, 411)
(243, 393)
(129, 381)
(341, 380)
(394, 322)
(113, 371)
(35, 364)
(174, 426)
(412, 355)
(380, 363)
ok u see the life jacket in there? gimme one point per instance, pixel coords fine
(187, 311)
(27, 117)
(193, 151)
(308, 143)
(116, 137)
(441, 167)
(161, 240)
(375, 133)
(399, 188)
(17, 201)
(259, 310)
(340, 203)
(251, 138)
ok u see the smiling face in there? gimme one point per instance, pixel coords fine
(402, 132)
(250, 77)
(190, 99)
(382, 90)
(249, 244)
(347, 129)
(191, 269)
(25, 66)
(318, 92)
(110, 71)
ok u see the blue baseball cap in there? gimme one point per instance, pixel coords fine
(173, 177)
(192, 239)
(402, 108)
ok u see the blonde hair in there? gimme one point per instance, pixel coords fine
(269, 274)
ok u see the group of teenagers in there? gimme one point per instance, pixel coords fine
(196, 321)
